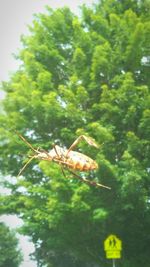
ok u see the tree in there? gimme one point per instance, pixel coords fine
(86, 75)
(10, 255)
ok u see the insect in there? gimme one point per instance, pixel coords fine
(72, 160)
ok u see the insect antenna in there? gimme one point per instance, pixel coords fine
(23, 168)
(25, 141)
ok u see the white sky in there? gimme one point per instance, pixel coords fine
(15, 15)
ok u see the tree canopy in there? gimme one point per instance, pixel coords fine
(10, 255)
(82, 75)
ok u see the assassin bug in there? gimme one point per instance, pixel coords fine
(72, 160)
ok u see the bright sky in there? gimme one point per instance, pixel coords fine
(15, 15)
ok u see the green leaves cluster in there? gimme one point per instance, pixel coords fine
(87, 75)
(10, 255)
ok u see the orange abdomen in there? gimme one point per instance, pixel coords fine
(80, 162)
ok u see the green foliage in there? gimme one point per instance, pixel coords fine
(10, 255)
(87, 75)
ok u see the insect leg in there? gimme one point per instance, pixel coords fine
(84, 180)
(89, 140)
(62, 169)
(58, 160)
(54, 146)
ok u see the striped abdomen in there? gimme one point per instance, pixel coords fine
(80, 162)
